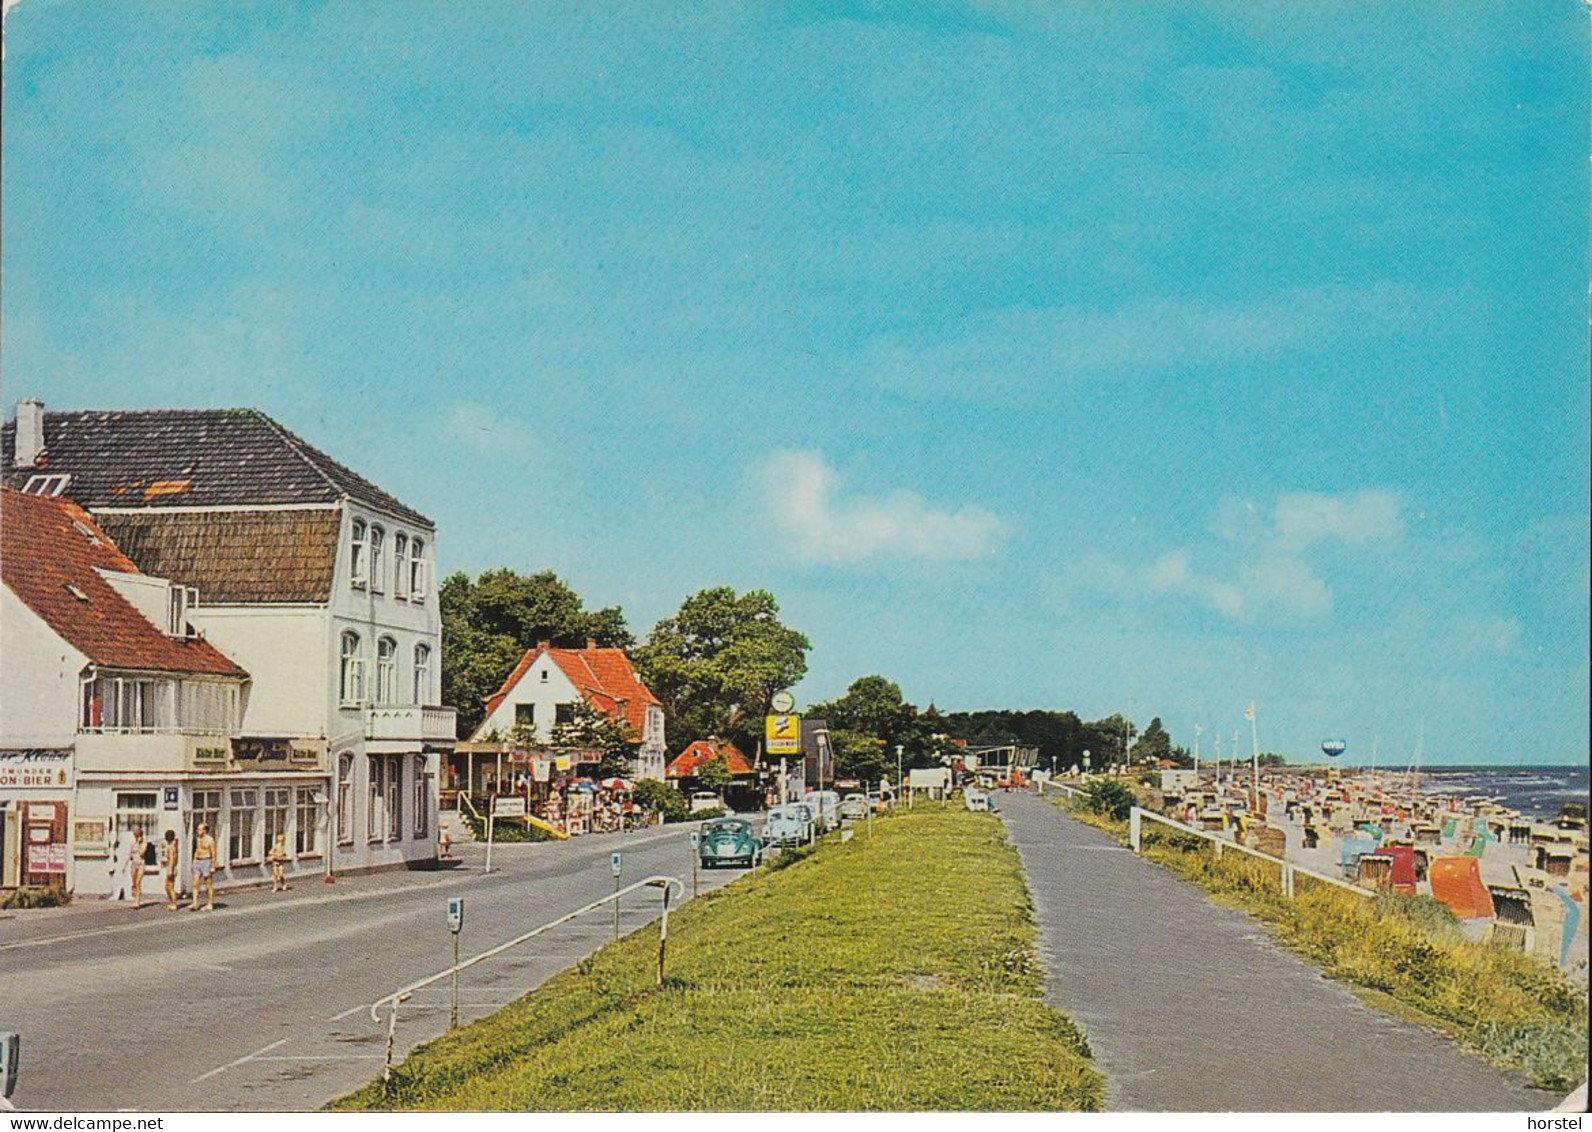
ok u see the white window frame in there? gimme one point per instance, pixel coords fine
(358, 555)
(283, 821)
(47, 484)
(378, 537)
(180, 600)
(400, 574)
(250, 807)
(375, 795)
(351, 679)
(419, 568)
(386, 671)
(395, 797)
(422, 681)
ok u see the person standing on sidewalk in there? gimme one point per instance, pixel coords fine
(169, 866)
(278, 859)
(135, 866)
(204, 867)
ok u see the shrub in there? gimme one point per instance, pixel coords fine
(661, 798)
(34, 897)
(1110, 798)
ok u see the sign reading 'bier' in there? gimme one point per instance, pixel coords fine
(35, 768)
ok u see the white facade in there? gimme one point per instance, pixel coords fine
(541, 699)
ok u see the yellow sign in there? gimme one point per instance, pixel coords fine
(784, 735)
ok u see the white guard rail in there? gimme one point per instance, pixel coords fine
(398, 997)
(1289, 869)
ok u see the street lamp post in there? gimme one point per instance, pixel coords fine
(899, 749)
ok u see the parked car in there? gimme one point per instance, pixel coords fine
(789, 824)
(729, 841)
(854, 807)
(826, 808)
(706, 800)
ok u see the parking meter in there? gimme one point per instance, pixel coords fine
(455, 914)
(613, 861)
(696, 840)
(10, 1055)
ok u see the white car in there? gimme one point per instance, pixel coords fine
(707, 800)
(826, 808)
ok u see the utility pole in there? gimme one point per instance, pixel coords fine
(900, 784)
(1254, 754)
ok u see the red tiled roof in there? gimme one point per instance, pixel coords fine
(690, 760)
(50, 554)
(604, 677)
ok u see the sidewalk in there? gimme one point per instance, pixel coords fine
(1190, 1007)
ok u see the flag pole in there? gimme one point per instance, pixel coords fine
(1254, 754)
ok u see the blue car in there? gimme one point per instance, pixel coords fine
(729, 841)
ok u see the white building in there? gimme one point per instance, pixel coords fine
(311, 578)
(542, 690)
(114, 714)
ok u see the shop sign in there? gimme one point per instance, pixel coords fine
(783, 735)
(169, 794)
(256, 750)
(36, 768)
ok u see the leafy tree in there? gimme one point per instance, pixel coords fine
(860, 756)
(488, 623)
(1109, 797)
(1271, 758)
(661, 798)
(1155, 744)
(588, 729)
(1109, 739)
(717, 664)
(715, 774)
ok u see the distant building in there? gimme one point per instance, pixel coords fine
(688, 763)
(313, 579)
(818, 755)
(544, 687)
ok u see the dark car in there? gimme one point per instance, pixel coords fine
(729, 841)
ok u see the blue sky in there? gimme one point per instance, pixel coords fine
(1144, 357)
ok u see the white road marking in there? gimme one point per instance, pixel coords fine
(322, 1057)
(239, 1061)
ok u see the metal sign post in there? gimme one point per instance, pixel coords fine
(10, 1054)
(663, 934)
(455, 924)
(696, 842)
(614, 863)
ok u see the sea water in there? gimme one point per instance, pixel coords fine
(1535, 791)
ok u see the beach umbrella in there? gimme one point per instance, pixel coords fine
(1332, 748)
(617, 784)
(585, 786)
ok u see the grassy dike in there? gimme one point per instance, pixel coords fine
(890, 973)
(1405, 955)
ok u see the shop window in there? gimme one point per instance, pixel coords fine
(395, 798)
(207, 812)
(376, 799)
(278, 804)
(243, 825)
(345, 799)
(422, 801)
(137, 811)
(306, 821)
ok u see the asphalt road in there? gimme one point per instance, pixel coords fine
(1190, 1007)
(262, 1005)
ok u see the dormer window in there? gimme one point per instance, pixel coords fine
(181, 600)
(377, 583)
(358, 573)
(49, 485)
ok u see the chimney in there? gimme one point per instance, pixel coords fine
(591, 643)
(543, 646)
(30, 433)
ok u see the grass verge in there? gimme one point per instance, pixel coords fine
(890, 973)
(1405, 954)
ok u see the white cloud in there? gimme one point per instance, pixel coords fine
(801, 493)
(1260, 569)
(485, 430)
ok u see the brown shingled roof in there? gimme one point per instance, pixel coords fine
(234, 556)
(51, 553)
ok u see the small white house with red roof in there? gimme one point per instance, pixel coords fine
(548, 682)
(689, 762)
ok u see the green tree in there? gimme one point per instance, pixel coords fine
(715, 775)
(488, 623)
(588, 729)
(1155, 744)
(718, 662)
(661, 798)
(861, 756)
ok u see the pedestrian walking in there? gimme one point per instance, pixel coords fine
(204, 867)
(170, 869)
(135, 866)
(278, 859)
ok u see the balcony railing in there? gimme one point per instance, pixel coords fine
(411, 722)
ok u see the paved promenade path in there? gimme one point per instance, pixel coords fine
(1190, 1006)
